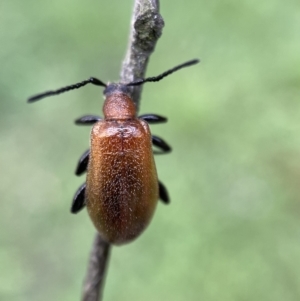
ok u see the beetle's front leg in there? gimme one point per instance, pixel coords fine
(153, 118)
(87, 120)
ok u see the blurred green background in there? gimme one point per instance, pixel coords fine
(232, 231)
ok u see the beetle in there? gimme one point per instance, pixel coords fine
(122, 188)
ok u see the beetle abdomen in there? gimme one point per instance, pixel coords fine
(122, 185)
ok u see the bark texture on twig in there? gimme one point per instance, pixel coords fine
(94, 282)
(146, 28)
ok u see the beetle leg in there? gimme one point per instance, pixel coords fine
(160, 143)
(163, 193)
(87, 120)
(82, 163)
(79, 199)
(153, 118)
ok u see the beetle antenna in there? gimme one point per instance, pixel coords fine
(91, 80)
(161, 76)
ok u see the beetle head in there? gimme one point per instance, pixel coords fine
(118, 103)
(112, 88)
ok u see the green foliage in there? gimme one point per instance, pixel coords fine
(232, 229)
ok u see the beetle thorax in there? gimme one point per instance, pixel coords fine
(118, 106)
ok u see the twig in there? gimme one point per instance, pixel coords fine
(94, 282)
(146, 28)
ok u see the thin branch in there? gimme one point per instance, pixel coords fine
(95, 278)
(146, 28)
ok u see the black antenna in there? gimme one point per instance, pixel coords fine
(91, 80)
(161, 76)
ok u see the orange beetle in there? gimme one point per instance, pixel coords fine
(122, 188)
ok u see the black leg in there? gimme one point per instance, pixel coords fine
(79, 199)
(152, 118)
(87, 120)
(163, 193)
(160, 143)
(82, 163)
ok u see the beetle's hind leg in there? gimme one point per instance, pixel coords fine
(79, 199)
(163, 193)
(82, 163)
(87, 120)
(160, 143)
